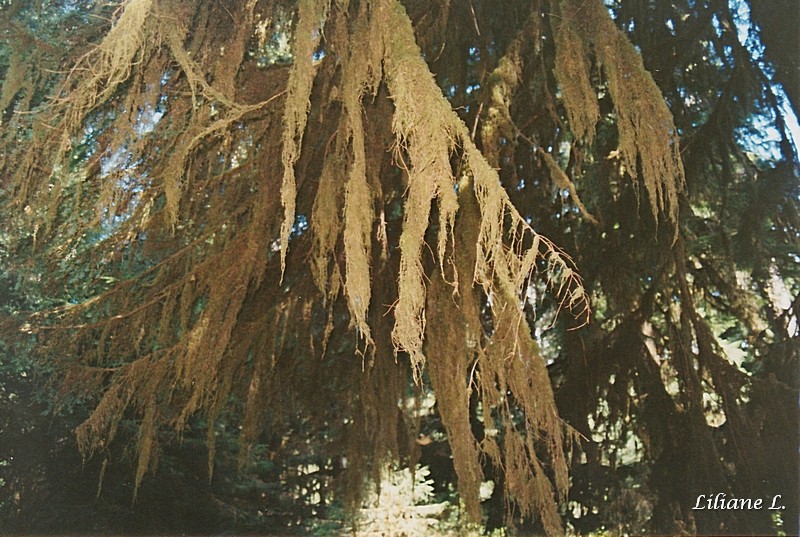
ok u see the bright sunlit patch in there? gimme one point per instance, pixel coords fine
(766, 145)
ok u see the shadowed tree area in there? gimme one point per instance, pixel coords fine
(265, 265)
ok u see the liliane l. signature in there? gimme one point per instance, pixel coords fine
(720, 501)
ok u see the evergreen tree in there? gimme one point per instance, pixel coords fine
(573, 222)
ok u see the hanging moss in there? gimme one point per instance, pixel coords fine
(213, 230)
(648, 139)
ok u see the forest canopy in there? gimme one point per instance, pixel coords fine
(550, 245)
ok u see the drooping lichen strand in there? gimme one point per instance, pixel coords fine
(647, 134)
(311, 17)
(423, 124)
(361, 74)
(648, 139)
(17, 79)
(359, 216)
(326, 220)
(449, 360)
(493, 201)
(502, 269)
(111, 62)
(572, 72)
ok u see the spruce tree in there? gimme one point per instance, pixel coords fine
(574, 222)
